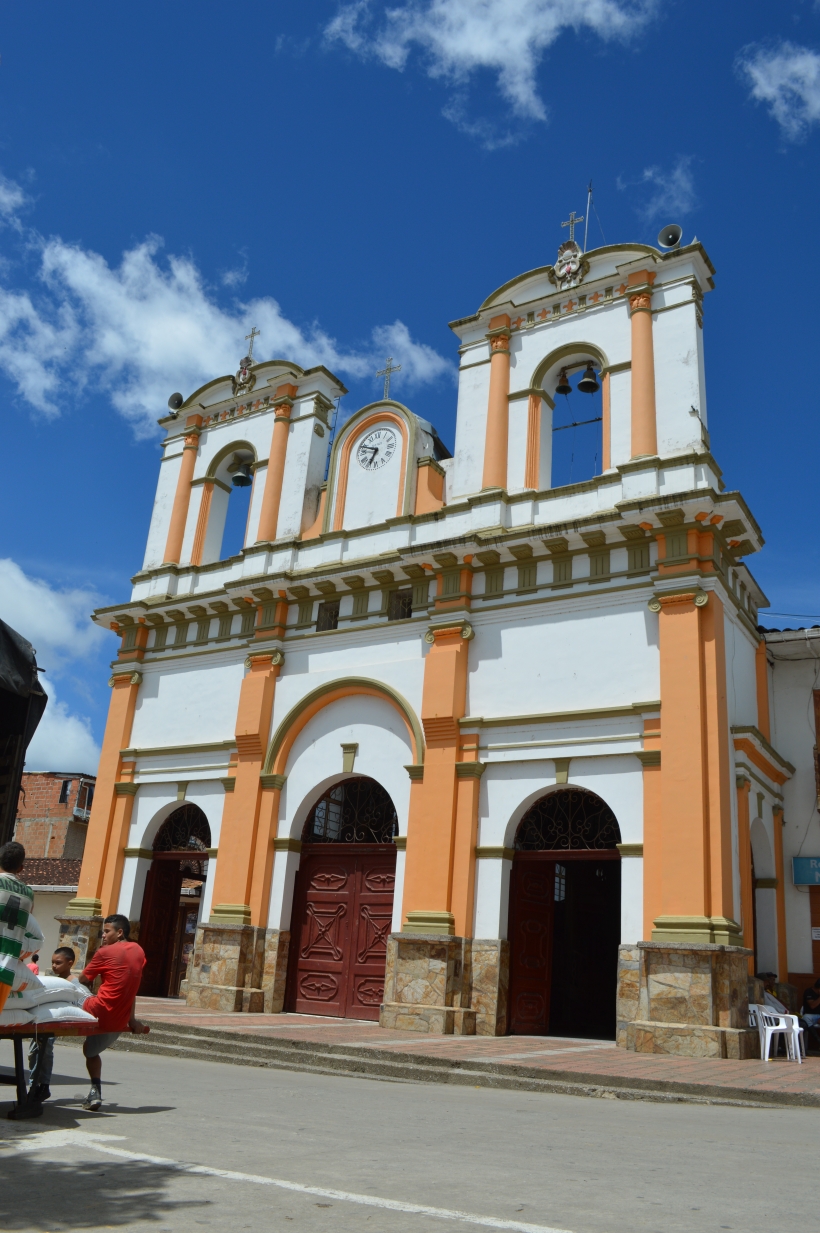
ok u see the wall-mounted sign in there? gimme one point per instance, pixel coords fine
(806, 870)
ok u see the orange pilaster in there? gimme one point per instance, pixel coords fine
(109, 812)
(606, 423)
(644, 426)
(182, 497)
(652, 829)
(202, 522)
(429, 486)
(780, 897)
(498, 405)
(272, 496)
(433, 806)
(263, 855)
(240, 831)
(696, 876)
(532, 465)
(468, 787)
(762, 683)
(744, 846)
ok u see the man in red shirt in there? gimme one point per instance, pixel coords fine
(119, 963)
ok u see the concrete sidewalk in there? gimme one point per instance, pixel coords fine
(535, 1063)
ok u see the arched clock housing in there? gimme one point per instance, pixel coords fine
(374, 465)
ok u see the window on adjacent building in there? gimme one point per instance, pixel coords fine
(65, 788)
(400, 605)
(328, 615)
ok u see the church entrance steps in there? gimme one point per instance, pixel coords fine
(538, 1063)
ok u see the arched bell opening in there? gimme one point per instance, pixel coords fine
(565, 917)
(172, 899)
(226, 503)
(572, 377)
(343, 902)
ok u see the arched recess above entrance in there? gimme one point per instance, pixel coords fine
(315, 746)
(567, 819)
(218, 493)
(541, 794)
(156, 802)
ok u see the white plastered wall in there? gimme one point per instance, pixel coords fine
(163, 504)
(304, 470)
(315, 763)
(185, 702)
(471, 424)
(677, 375)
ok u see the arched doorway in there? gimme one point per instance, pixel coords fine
(343, 903)
(170, 905)
(565, 917)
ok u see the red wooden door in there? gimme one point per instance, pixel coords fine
(532, 893)
(158, 919)
(342, 909)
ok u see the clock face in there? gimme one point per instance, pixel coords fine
(377, 448)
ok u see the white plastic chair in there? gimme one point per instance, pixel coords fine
(771, 1024)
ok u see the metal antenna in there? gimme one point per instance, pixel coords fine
(586, 224)
(385, 372)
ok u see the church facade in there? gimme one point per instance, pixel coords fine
(444, 745)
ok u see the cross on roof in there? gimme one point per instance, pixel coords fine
(572, 222)
(253, 334)
(385, 372)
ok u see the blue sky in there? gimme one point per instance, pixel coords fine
(350, 179)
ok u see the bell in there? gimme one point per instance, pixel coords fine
(589, 382)
(242, 477)
(563, 386)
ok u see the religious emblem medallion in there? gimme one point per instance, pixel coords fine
(245, 379)
(570, 267)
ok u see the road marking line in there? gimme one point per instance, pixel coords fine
(101, 1143)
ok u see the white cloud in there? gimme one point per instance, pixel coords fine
(505, 37)
(140, 330)
(671, 191)
(56, 623)
(62, 742)
(786, 78)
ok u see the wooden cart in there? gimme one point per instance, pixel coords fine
(24, 1108)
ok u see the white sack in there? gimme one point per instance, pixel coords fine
(24, 978)
(60, 1012)
(11, 1018)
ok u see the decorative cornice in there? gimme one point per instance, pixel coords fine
(228, 783)
(401, 842)
(139, 853)
(286, 844)
(126, 789)
(277, 782)
(489, 853)
(649, 757)
(630, 849)
(463, 627)
(416, 772)
(470, 770)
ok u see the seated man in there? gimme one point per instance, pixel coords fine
(41, 1051)
(119, 962)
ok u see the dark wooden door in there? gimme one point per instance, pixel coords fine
(342, 909)
(532, 891)
(158, 921)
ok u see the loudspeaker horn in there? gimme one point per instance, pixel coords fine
(175, 402)
(670, 237)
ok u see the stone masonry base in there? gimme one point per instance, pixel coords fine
(446, 985)
(237, 968)
(685, 999)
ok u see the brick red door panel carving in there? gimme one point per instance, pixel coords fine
(531, 927)
(342, 909)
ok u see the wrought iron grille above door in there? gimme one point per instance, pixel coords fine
(565, 820)
(354, 811)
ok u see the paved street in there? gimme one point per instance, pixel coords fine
(237, 1148)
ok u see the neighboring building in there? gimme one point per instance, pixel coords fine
(52, 823)
(445, 745)
(53, 813)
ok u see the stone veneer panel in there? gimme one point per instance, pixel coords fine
(238, 968)
(82, 934)
(446, 985)
(628, 995)
(489, 985)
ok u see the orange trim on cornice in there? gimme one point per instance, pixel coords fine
(344, 462)
(344, 691)
(744, 745)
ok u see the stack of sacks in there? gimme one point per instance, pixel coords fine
(46, 999)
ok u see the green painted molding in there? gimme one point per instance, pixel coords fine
(415, 772)
(401, 843)
(438, 923)
(759, 738)
(486, 853)
(277, 782)
(228, 782)
(86, 908)
(552, 717)
(630, 849)
(170, 751)
(649, 757)
(286, 844)
(230, 914)
(354, 684)
(139, 853)
(470, 770)
(765, 883)
(212, 853)
(126, 789)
